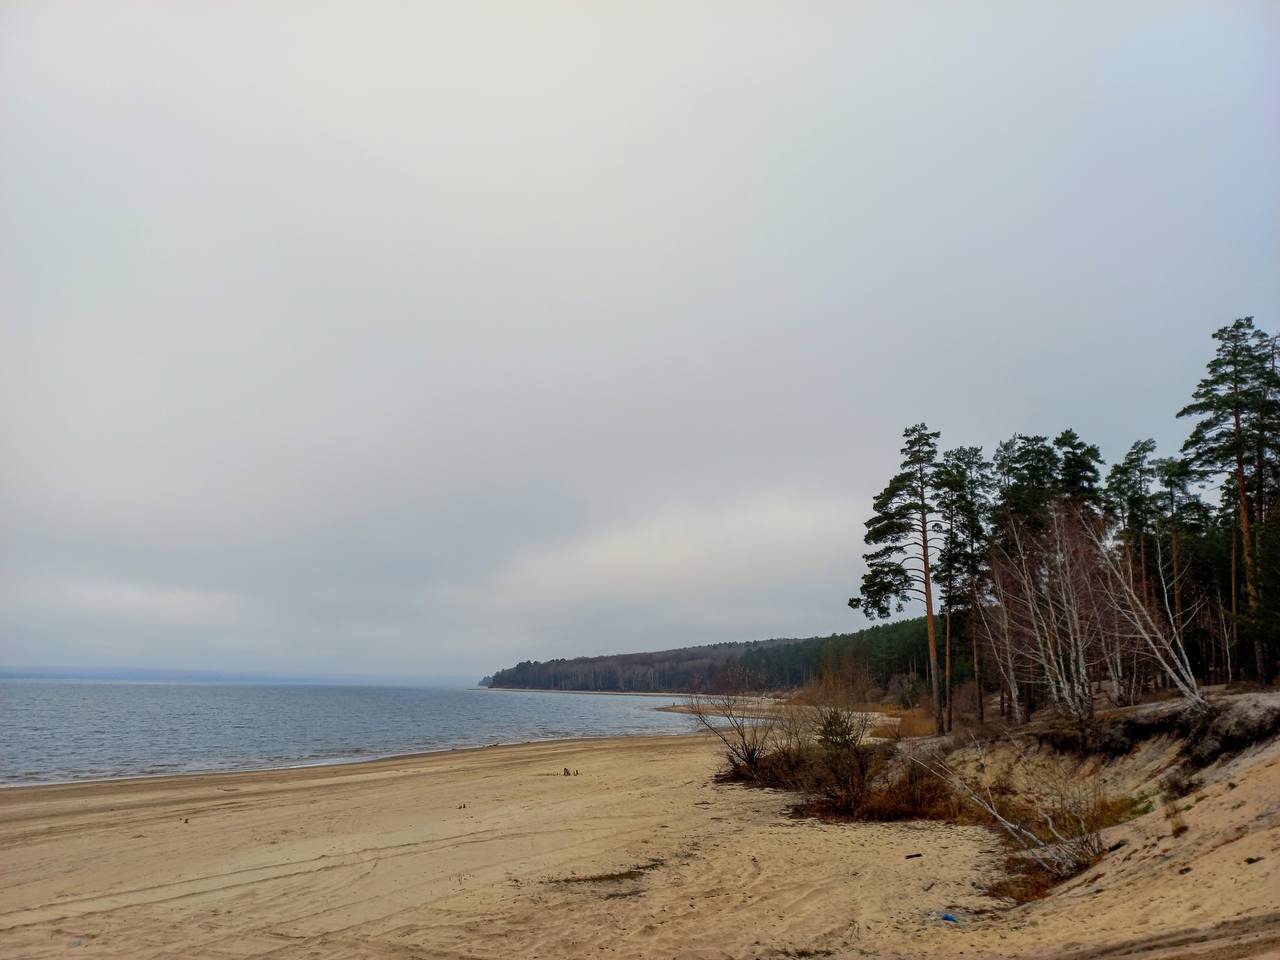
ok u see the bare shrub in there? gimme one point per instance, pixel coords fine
(742, 722)
(793, 736)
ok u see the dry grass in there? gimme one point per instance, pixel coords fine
(915, 723)
(899, 722)
(1111, 811)
(1177, 825)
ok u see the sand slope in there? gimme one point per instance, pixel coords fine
(384, 860)
(1213, 888)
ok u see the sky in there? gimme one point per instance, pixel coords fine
(414, 339)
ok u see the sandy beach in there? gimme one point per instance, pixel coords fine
(494, 853)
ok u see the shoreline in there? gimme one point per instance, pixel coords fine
(346, 761)
(590, 693)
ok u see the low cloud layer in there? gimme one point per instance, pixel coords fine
(408, 342)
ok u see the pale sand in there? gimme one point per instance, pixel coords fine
(382, 860)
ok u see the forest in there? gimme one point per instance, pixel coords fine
(895, 652)
(1071, 582)
(679, 670)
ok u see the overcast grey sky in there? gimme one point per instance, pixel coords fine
(419, 338)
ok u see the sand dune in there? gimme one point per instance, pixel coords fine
(494, 853)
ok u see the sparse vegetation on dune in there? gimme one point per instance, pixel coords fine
(1050, 788)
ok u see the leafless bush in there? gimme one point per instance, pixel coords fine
(792, 738)
(745, 724)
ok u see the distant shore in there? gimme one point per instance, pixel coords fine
(593, 693)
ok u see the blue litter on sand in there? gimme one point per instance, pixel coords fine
(949, 918)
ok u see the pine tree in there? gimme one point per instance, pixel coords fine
(964, 486)
(899, 569)
(1238, 406)
(1174, 503)
(1128, 500)
(1026, 470)
(1078, 469)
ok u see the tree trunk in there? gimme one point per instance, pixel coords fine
(977, 672)
(1234, 639)
(1177, 585)
(930, 629)
(1246, 551)
(1142, 565)
(950, 716)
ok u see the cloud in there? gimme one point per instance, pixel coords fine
(424, 338)
(676, 552)
(729, 570)
(113, 600)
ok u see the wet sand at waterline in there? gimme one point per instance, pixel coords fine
(493, 853)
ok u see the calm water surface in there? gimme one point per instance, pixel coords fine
(53, 730)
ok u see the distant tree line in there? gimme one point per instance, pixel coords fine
(892, 654)
(1067, 586)
(678, 670)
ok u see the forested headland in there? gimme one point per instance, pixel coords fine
(895, 653)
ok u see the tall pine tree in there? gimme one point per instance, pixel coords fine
(1129, 501)
(899, 568)
(1237, 404)
(964, 488)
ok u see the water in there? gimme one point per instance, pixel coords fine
(53, 731)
